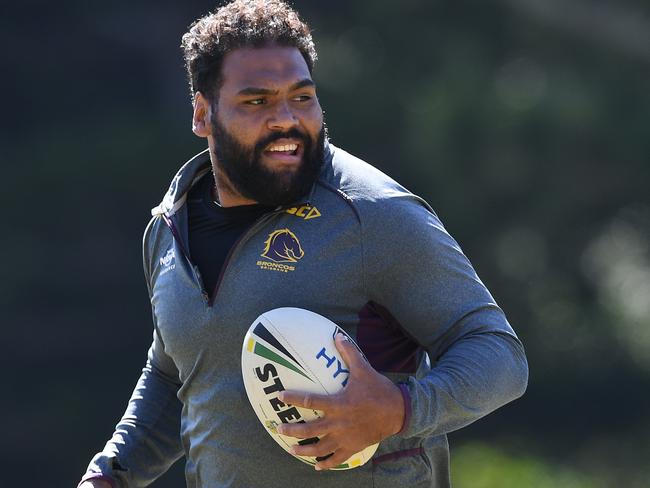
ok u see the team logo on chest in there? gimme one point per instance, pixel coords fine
(281, 247)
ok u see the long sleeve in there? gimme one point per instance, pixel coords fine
(479, 373)
(146, 441)
(416, 271)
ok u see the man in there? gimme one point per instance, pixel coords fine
(372, 257)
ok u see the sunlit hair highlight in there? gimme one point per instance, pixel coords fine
(241, 23)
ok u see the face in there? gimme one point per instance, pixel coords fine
(266, 129)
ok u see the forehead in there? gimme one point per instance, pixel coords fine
(265, 67)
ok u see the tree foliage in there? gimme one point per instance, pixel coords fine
(526, 126)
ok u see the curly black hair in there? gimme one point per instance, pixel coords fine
(240, 23)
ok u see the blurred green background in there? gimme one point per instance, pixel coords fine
(525, 123)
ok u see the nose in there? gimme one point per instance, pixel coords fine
(282, 117)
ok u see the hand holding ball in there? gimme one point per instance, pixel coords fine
(294, 349)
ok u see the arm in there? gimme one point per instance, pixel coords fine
(433, 292)
(417, 272)
(146, 441)
(481, 371)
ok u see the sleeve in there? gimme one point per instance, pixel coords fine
(416, 270)
(146, 441)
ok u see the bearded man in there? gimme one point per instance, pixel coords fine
(370, 256)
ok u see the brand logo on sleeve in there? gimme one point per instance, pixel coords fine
(281, 247)
(168, 261)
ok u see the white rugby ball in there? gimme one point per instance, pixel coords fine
(293, 349)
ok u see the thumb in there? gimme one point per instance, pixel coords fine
(350, 353)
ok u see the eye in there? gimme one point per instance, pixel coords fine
(302, 98)
(255, 101)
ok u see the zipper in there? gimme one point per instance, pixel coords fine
(249, 231)
(209, 299)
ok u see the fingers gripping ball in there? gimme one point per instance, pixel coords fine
(293, 349)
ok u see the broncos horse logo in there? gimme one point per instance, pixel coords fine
(282, 246)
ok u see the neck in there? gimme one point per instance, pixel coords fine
(225, 194)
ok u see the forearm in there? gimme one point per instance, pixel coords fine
(476, 375)
(146, 441)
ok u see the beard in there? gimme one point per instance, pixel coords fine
(243, 167)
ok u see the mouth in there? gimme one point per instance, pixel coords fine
(285, 151)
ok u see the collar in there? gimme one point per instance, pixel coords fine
(199, 165)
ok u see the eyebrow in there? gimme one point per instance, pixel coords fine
(252, 90)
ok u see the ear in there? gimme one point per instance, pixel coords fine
(201, 125)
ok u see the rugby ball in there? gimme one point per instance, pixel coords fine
(293, 349)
